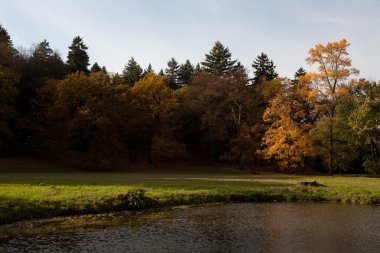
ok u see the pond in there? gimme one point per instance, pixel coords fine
(246, 227)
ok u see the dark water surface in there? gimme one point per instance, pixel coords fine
(271, 227)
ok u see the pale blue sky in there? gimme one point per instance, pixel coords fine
(155, 30)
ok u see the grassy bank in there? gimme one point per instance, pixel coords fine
(29, 195)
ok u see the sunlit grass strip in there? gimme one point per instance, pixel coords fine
(40, 195)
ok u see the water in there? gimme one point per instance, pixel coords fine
(270, 227)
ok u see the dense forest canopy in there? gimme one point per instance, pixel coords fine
(324, 120)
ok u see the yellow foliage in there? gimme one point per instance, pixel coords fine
(287, 140)
(153, 96)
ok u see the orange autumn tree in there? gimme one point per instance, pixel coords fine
(290, 115)
(330, 84)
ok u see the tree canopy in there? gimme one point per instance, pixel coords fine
(218, 60)
(77, 58)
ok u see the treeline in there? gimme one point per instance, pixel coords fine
(325, 120)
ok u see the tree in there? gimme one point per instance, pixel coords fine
(197, 69)
(116, 79)
(264, 69)
(42, 64)
(5, 38)
(153, 97)
(289, 117)
(148, 70)
(161, 73)
(83, 114)
(364, 121)
(172, 72)
(95, 68)
(78, 59)
(10, 72)
(300, 72)
(218, 60)
(132, 72)
(185, 73)
(334, 69)
(220, 106)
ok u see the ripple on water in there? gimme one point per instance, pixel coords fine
(254, 227)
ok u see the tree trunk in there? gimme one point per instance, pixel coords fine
(331, 143)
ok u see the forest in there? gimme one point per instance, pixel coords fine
(214, 111)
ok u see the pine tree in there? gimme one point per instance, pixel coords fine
(149, 69)
(4, 36)
(172, 72)
(264, 69)
(132, 72)
(45, 63)
(218, 61)
(95, 68)
(78, 59)
(185, 73)
(161, 73)
(104, 70)
(197, 69)
(300, 72)
(9, 79)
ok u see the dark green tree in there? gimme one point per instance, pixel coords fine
(42, 64)
(161, 73)
(300, 72)
(264, 69)
(185, 73)
(4, 36)
(148, 70)
(197, 69)
(132, 72)
(95, 68)
(172, 72)
(218, 60)
(9, 77)
(78, 59)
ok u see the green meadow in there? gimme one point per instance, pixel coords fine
(30, 194)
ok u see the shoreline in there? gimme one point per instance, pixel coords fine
(138, 201)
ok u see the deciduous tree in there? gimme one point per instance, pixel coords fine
(289, 117)
(329, 82)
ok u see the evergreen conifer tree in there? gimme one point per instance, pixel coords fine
(197, 69)
(4, 36)
(218, 60)
(78, 59)
(132, 72)
(264, 69)
(172, 72)
(300, 72)
(185, 73)
(95, 68)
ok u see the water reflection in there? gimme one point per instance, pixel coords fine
(268, 227)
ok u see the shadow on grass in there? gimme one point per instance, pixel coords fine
(158, 180)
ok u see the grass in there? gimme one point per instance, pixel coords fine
(30, 194)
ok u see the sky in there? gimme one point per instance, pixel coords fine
(153, 31)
